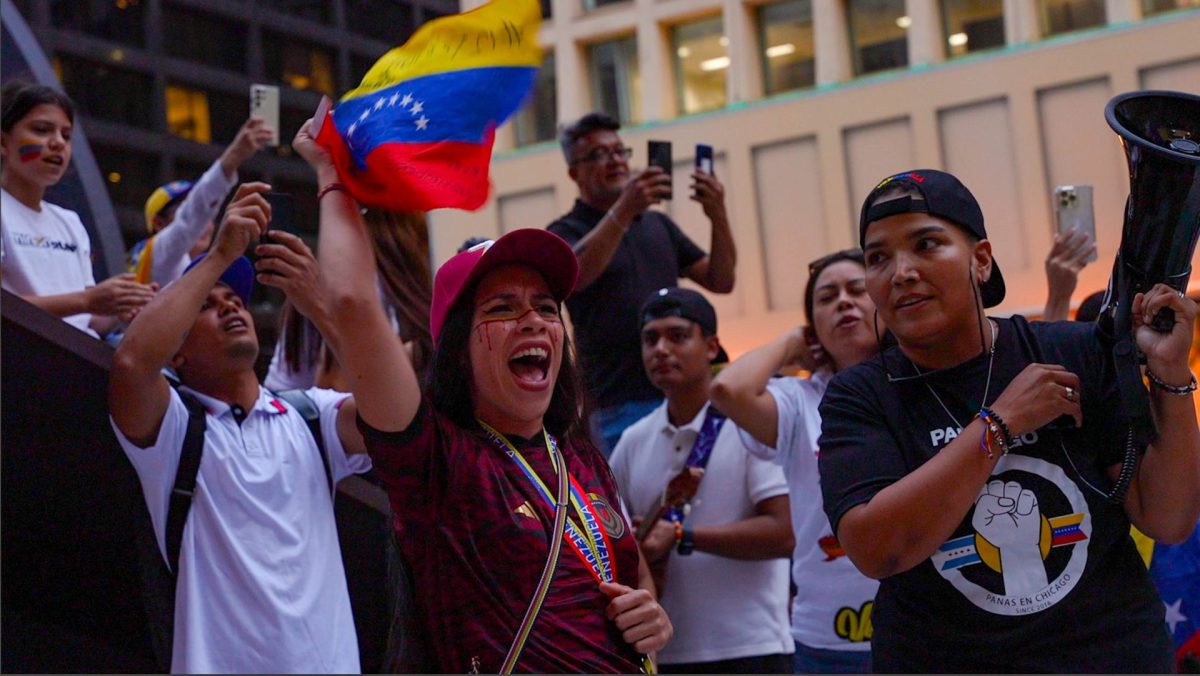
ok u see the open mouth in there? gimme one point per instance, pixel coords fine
(53, 159)
(530, 365)
(235, 324)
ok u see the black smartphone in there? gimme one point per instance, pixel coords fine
(659, 153)
(283, 212)
(704, 158)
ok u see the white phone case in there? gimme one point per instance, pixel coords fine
(1073, 210)
(264, 103)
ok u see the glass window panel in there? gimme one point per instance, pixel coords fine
(1061, 16)
(197, 36)
(131, 176)
(187, 113)
(701, 64)
(1158, 6)
(391, 21)
(313, 10)
(299, 64)
(616, 82)
(972, 25)
(118, 20)
(93, 85)
(227, 113)
(879, 34)
(538, 120)
(786, 37)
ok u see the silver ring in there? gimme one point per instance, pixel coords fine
(1070, 393)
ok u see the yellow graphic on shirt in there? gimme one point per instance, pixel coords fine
(853, 624)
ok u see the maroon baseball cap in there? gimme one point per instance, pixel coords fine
(544, 251)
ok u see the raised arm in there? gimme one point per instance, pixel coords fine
(596, 249)
(1067, 257)
(740, 389)
(715, 271)
(137, 391)
(1164, 497)
(385, 385)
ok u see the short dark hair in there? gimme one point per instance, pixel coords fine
(818, 266)
(568, 135)
(449, 376)
(20, 97)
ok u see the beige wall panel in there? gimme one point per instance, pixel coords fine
(690, 217)
(873, 152)
(791, 218)
(1079, 147)
(1181, 76)
(528, 209)
(977, 144)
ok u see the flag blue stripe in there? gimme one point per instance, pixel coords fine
(456, 106)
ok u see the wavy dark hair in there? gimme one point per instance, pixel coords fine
(448, 379)
(818, 266)
(20, 97)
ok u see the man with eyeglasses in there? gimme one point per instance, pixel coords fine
(627, 251)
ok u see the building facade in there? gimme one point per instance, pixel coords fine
(809, 103)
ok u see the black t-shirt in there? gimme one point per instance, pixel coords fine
(654, 253)
(1076, 596)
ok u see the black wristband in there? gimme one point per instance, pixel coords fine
(1008, 437)
(686, 544)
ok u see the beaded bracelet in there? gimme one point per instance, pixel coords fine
(991, 432)
(332, 186)
(991, 415)
(678, 531)
(1171, 389)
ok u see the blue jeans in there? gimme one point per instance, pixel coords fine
(608, 423)
(809, 660)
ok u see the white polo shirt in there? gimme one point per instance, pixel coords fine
(261, 587)
(833, 600)
(721, 608)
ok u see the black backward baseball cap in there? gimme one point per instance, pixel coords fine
(685, 303)
(942, 195)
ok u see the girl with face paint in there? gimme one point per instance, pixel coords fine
(46, 252)
(473, 459)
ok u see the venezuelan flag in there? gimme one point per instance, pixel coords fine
(417, 133)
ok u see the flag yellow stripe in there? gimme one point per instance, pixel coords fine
(500, 33)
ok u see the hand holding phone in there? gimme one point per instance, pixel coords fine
(704, 159)
(1073, 211)
(283, 212)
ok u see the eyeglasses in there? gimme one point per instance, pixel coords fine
(603, 154)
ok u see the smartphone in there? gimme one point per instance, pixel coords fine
(659, 153)
(264, 103)
(704, 158)
(1073, 210)
(283, 212)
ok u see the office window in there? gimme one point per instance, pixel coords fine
(299, 64)
(130, 176)
(1158, 6)
(879, 34)
(701, 64)
(1062, 16)
(538, 120)
(103, 91)
(786, 40)
(313, 10)
(187, 113)
(972, 25)
(392, 22)
(117, 20)
(615, 80)
(197, 36)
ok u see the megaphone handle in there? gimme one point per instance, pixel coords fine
(1163, 321)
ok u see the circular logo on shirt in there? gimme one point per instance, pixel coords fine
(1029, 547)
(612, 521)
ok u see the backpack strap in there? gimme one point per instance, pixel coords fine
(306, 407)
(185, 478)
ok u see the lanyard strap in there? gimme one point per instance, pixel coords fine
(701, 452)
(590, 542)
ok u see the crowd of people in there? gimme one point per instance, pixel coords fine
(952, 488)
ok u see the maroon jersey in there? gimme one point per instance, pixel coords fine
(475, 534)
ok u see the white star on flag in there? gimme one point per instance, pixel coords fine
(417, 107)
(392, 101)
(406, 100)
(364, 115)
(422, 122)
(350, 131)
(378, 104)
(1174, 614)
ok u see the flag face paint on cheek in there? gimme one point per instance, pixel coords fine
(29, 152)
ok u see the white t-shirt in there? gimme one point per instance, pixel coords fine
(832, 597)
(44, 253)
(721, 608)
(261, 587)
